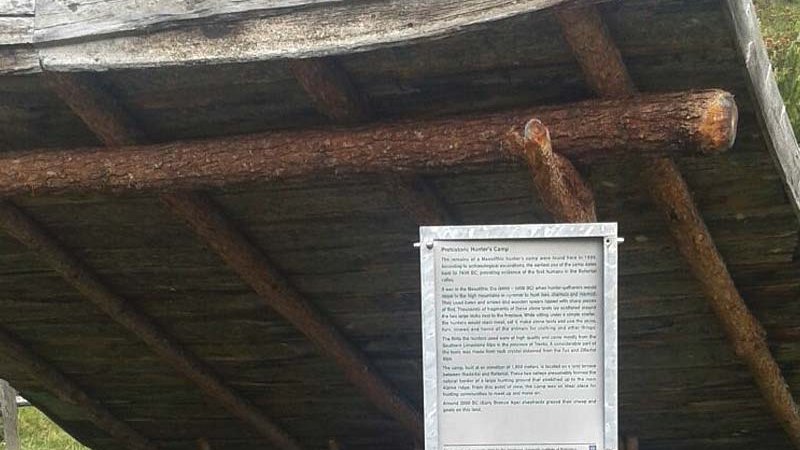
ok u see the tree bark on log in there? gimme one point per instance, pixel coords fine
(654, 124)
(671, 195)
(561, 188)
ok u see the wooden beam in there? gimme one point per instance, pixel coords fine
(99, 111)
(331, 90)
(16, 223)
(8, 412)
(702, 122)
(597, 54)
(111, 123)
(70, 392)
(335, 96)
(603, 62)
(212, 225)
(673, 198)
(561, 188)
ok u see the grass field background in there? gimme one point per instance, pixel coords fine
(780, 20)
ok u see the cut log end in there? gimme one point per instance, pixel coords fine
(717, 129)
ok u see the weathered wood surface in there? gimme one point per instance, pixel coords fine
(113, 126)
(219, 233)
(559, 185)
(600, 59)
(306, 32)
(700, 121)
(57, 20)
(608, 76)
(779, 133)
(101, 113)
(82, 278)
(335, 96)
(672, 197)
(16, 7)
(16, 30)
(8, 414)
(70, 392)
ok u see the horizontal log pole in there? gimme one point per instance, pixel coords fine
(652, 124)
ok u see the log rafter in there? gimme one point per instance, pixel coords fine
(682, 122)
(68, 391)
(606, 74)
(211, 224)
(112, 125)
(334, 95)
(561, 188)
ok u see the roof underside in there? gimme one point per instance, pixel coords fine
(346, 244)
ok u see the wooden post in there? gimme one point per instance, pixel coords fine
(8, 411)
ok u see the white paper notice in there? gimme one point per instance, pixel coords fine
(520, 344)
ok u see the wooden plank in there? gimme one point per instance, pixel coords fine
(19, 60)
(303, 33)
(777, 129)
(16, 7)
(70, 392)
(8, 413)
(16, 30)
(59, 20)
(678, 122)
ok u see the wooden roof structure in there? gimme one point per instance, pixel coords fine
(209, 208)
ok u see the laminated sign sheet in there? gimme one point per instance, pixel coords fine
(520, 337)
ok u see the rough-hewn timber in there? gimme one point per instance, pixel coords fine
(700, 121)
(210, 222)
(301, 33)
(113, 126)
(16, 223)
(68, 391)
(561, 188)
(672, 197)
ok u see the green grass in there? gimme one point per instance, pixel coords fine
(780, 21)
(37, 432)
